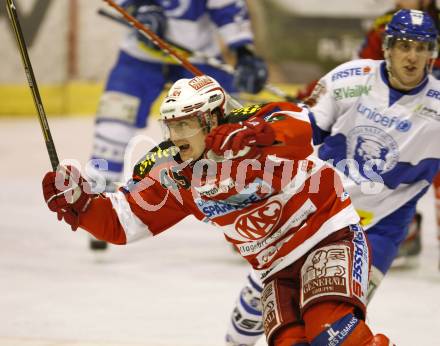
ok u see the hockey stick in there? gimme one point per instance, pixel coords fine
(111, 16)
(155, 39)
(50, 145)
(165, 46)
(122, 21)
(209, 60)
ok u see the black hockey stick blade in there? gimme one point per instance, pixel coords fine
(114, 17)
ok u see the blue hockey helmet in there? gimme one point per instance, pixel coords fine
(411, 25)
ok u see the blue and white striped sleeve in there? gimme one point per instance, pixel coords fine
(232, 20)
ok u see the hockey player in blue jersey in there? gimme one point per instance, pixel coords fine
(377, 122)
(142, 70)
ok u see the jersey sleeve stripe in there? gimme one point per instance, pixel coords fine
(233, 33)
(133, 227)
(318, 134)
(219, 4)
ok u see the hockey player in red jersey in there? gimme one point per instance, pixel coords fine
(250, 172)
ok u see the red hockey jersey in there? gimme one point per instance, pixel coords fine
(273, 207)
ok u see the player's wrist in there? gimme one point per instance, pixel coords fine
(241, 52)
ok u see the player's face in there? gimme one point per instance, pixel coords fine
(413, 4)
(408, 62)
(189, 136)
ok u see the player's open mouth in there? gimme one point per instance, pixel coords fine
(184, 147)
(410, 69)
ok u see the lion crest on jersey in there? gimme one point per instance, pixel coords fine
(372, 149)
(368, 149)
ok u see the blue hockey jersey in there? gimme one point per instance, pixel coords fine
(197, 25)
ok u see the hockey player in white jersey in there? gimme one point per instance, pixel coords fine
(142, 70)
(378, 123)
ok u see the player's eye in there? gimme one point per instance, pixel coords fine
(422, 48)
(405, 46)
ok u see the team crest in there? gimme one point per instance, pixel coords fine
(260, 222)
(372, 149)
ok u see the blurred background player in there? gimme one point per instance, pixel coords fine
(383, 116)
(372, 49)
(142, 70)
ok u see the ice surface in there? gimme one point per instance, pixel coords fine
(176, 289)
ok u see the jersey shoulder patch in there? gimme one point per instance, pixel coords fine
(353, 70)
(242, 114)
(164, 152)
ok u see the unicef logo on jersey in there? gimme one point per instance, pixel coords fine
(372, 148)
(384, 120)
(403, 126)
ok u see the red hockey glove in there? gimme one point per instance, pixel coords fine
(236, 137)
(67, 193)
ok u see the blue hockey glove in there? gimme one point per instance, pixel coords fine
(250, 71)
(154, 18)
(150, 15)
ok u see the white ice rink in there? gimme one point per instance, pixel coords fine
(174, 290)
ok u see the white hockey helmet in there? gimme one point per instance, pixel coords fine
(189, 96)
(197, 97)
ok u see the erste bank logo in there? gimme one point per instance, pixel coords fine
(350, 72)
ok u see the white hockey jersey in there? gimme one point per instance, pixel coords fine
(374, 133)
(197, 26)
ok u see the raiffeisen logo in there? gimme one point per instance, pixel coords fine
(384, 120)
